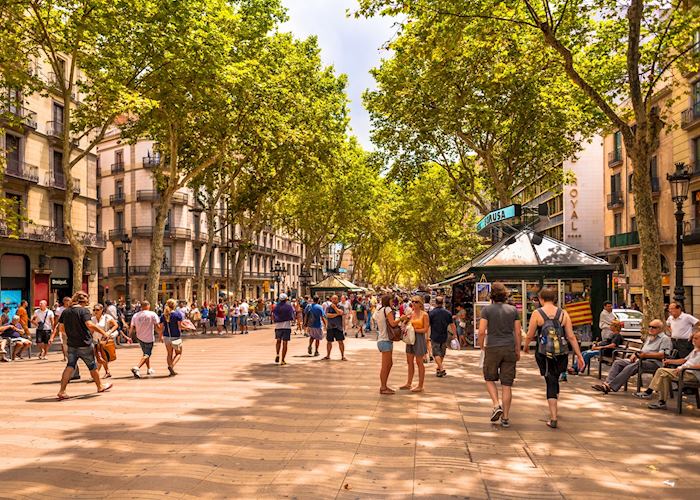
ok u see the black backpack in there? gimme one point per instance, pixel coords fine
(551, 338)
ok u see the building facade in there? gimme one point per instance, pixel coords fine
(681, 143)
(36, 261)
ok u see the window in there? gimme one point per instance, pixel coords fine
(222, 263)
(617, 222)
(119, 257)
(696, 153)
(119, 220)
(119, 187)
(630, 182)
(167, 257)
(633, 223)
(197, 256)
(197, 224)
(211, 261)
(615, 183)
(15, 202)
(58, 218)
(119, 157)
(635, 261)
(12, 153)
(57, 164)
(57, 113)
(617, 145)
(61, 68)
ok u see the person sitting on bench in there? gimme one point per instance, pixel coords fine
(606, 347)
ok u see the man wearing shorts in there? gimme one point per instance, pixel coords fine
(334, 331)
(315, 319)
(220, 316)
(440, 320)
(77, 324)
(244, 308)
(283, 316)
(144, 323)
(500, 336)
(43, 319)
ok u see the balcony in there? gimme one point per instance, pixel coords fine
(262, 249)
(117, 234)
(56, 180)
(117, 199)
(23, 171)
(57, 84)
(180, 198)
(257, 276)
(47, 234)
(151, 161)
(22, 115)
(54, 129)
(147, 195)
(615, 200)
(178, 233)
(615, 158)
(691, 117)
(623, 239)
(117, 167)
(142, 231)
(115, 271)
(165, 270)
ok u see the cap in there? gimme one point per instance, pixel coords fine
(283, 296)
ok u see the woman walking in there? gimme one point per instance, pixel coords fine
(385, 318)
(553, 330)
(104, 349)
(171, 322)
(414, 353)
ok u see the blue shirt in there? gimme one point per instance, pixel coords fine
(205, 313)
(315, 313)
(172, 328)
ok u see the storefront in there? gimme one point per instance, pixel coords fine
(61, 278)
(527, 261)
(14, 280)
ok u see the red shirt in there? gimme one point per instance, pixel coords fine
(220, 311)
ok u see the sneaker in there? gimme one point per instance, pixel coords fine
(659, 405)
(277, 359)
(309, 350)
(497, 412)
(316, 353)
(151, 371)
(136, 372)
(444, 373)
(283, 363)
(642, 395)
(505, 422)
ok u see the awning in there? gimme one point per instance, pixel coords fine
(458, 278)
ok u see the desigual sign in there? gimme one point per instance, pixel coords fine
(59, 282)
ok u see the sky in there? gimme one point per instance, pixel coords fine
(353, 46)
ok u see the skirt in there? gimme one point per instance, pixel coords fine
(420, 347)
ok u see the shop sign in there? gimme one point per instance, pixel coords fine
(500, 215)
(59, 282)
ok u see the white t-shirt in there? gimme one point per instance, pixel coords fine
(102, 323)
(112, 310)
(43, 319)
(243, 308)
(144, 323)
(379, 317)
(682, 326)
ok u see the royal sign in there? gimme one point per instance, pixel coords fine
(499, 215)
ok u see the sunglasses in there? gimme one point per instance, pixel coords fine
(654, 327)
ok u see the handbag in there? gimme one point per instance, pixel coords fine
(409, 335)
(393, 331)
(109, 350)
(187, 325)
(454, 344)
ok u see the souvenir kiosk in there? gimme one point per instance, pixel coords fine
(525, 261)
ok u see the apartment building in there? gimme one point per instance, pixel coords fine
(680, 144)
(128, 200)
(36, 262)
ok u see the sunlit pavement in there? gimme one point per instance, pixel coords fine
(233, 424)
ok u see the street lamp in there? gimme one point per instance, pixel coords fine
(304, 277)
(227, 250)
(680, 182)
(278, 272)
(126, 248)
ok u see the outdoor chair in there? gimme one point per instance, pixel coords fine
(684, 387)
(631, 347)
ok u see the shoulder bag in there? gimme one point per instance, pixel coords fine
(394, 332)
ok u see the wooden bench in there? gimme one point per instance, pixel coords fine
(631, 346)
(682, 385)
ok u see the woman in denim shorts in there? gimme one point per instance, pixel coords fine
(384, 317)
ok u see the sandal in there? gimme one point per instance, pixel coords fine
(62, 397)
(387, 391)
(105, 388)
(417, 389)
(602, 388)
(552, 424)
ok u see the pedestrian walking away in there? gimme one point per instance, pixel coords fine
(440, 321)
(244, 309)
(360, 317)
(334, 331)
(170, 334)
(500, 337)
(76, 323)
(552, 329)
(385, 318)
(283, 316)
(43, 319)
(220, 316)
(144, 323)
(414, 353)
(315, 320)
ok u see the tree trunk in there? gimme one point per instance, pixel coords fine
(237, 278)
(201, 287)
(153, 280)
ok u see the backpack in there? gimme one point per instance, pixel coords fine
(551, 338)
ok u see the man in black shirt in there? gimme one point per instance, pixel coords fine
(440, 320)
(76, 322)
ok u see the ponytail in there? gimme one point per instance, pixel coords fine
(170, 306)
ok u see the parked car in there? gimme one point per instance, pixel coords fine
(631, 322)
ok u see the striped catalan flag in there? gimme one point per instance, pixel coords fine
(580, 313)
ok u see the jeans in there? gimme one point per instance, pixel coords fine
(623, 369)
(86, 353)
(234, 324)
(587, 356)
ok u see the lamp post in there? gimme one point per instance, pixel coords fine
(278, 271)
(304, 277)
(227, 250)
(126, 247)
(680, 182)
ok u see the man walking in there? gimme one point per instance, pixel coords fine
(440, 320)
(144, 324)
(681, 329)
(360, 316)
(315, 319)
(657, 347)
(43, 319)
(244, 308)
(606, 319)
(283, 316)
(334, 331)
(76, 322)
(501, 336)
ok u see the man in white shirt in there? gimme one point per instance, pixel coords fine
(43, 319)
(606, 319)
(111, 309)
(144, 323)
(244, 309)
(681, 325)
(663, 377)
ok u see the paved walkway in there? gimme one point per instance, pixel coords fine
(233, 424)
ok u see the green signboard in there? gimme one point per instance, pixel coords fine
(499, 215)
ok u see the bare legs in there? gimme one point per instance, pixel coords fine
(174, 356)
(282, 344)
(410, 358)
(507, 396)
(68, 373)
(387, 363)
(341, 346)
